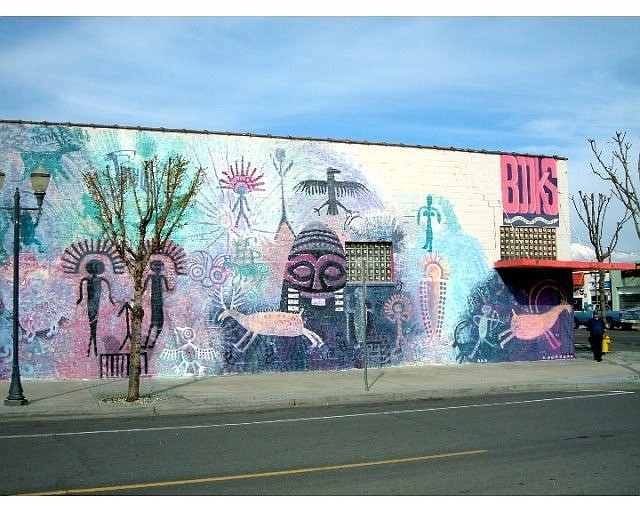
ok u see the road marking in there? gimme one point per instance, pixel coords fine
(247, 476)
(313, 418)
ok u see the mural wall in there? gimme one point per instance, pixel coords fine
(258, 279)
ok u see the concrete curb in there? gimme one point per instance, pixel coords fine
(53, 400)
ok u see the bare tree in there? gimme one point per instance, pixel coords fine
(625, 181)
(138, 210)
(592, 213)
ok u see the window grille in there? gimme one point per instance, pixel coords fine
(527, 242)
(378, 262)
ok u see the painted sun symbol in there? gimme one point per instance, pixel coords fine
(242, 179)
(435, 268)
(397, 308)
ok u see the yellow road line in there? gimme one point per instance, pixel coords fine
(246, 476)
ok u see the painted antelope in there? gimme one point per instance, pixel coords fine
(269, 323)
(530, 326)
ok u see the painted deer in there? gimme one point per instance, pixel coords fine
(269, 323)
(530, 326)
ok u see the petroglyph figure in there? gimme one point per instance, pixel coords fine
(94, 289)
(529, 327)
(159, 284)
(270, 323)
(429, 211)
(333, 189)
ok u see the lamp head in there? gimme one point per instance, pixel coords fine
(40, 182)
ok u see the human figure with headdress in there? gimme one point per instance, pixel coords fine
(159, 284)
(94, 289)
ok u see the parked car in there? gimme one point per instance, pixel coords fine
(624, 319)
(629, 318)
(611, 318)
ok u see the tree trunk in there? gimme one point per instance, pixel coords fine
(133, 392)
(602, 296)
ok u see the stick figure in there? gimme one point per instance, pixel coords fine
(429, 211)
(126, 308)
(94, 289)
(158, 283)
(242, 181)
(486, 323)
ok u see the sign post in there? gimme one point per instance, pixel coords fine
(364, 320)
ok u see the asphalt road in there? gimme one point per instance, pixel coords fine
(528, 444)
(621, 339)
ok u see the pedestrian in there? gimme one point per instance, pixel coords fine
(597, 328)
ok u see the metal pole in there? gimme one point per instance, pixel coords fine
(364, 324)
(16, 397)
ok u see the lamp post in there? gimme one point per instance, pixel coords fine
(39, 182)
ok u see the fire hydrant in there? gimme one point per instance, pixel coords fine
(606, 341)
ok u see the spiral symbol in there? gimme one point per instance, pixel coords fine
(218, 275)
(198, 263)
(188, 334)
(197, 272)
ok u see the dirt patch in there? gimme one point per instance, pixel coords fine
(123, 400)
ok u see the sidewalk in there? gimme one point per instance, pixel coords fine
(58, 399)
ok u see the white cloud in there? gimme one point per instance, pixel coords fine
(531, 85)
(580, 252)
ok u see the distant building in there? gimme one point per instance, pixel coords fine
(325, 248)
(626, 286)
(585, 288)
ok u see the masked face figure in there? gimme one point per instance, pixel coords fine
(316, 266)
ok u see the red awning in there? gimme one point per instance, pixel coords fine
(524, 263)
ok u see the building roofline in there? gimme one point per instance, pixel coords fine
(269, 136)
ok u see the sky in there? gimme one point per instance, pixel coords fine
(472, 75)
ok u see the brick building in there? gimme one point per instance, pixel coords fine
(465, 256)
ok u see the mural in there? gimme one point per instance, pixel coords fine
(257, 278)
(527, 323)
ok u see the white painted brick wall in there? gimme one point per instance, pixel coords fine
(471, 181)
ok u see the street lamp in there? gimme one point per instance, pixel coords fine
(39, 182)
